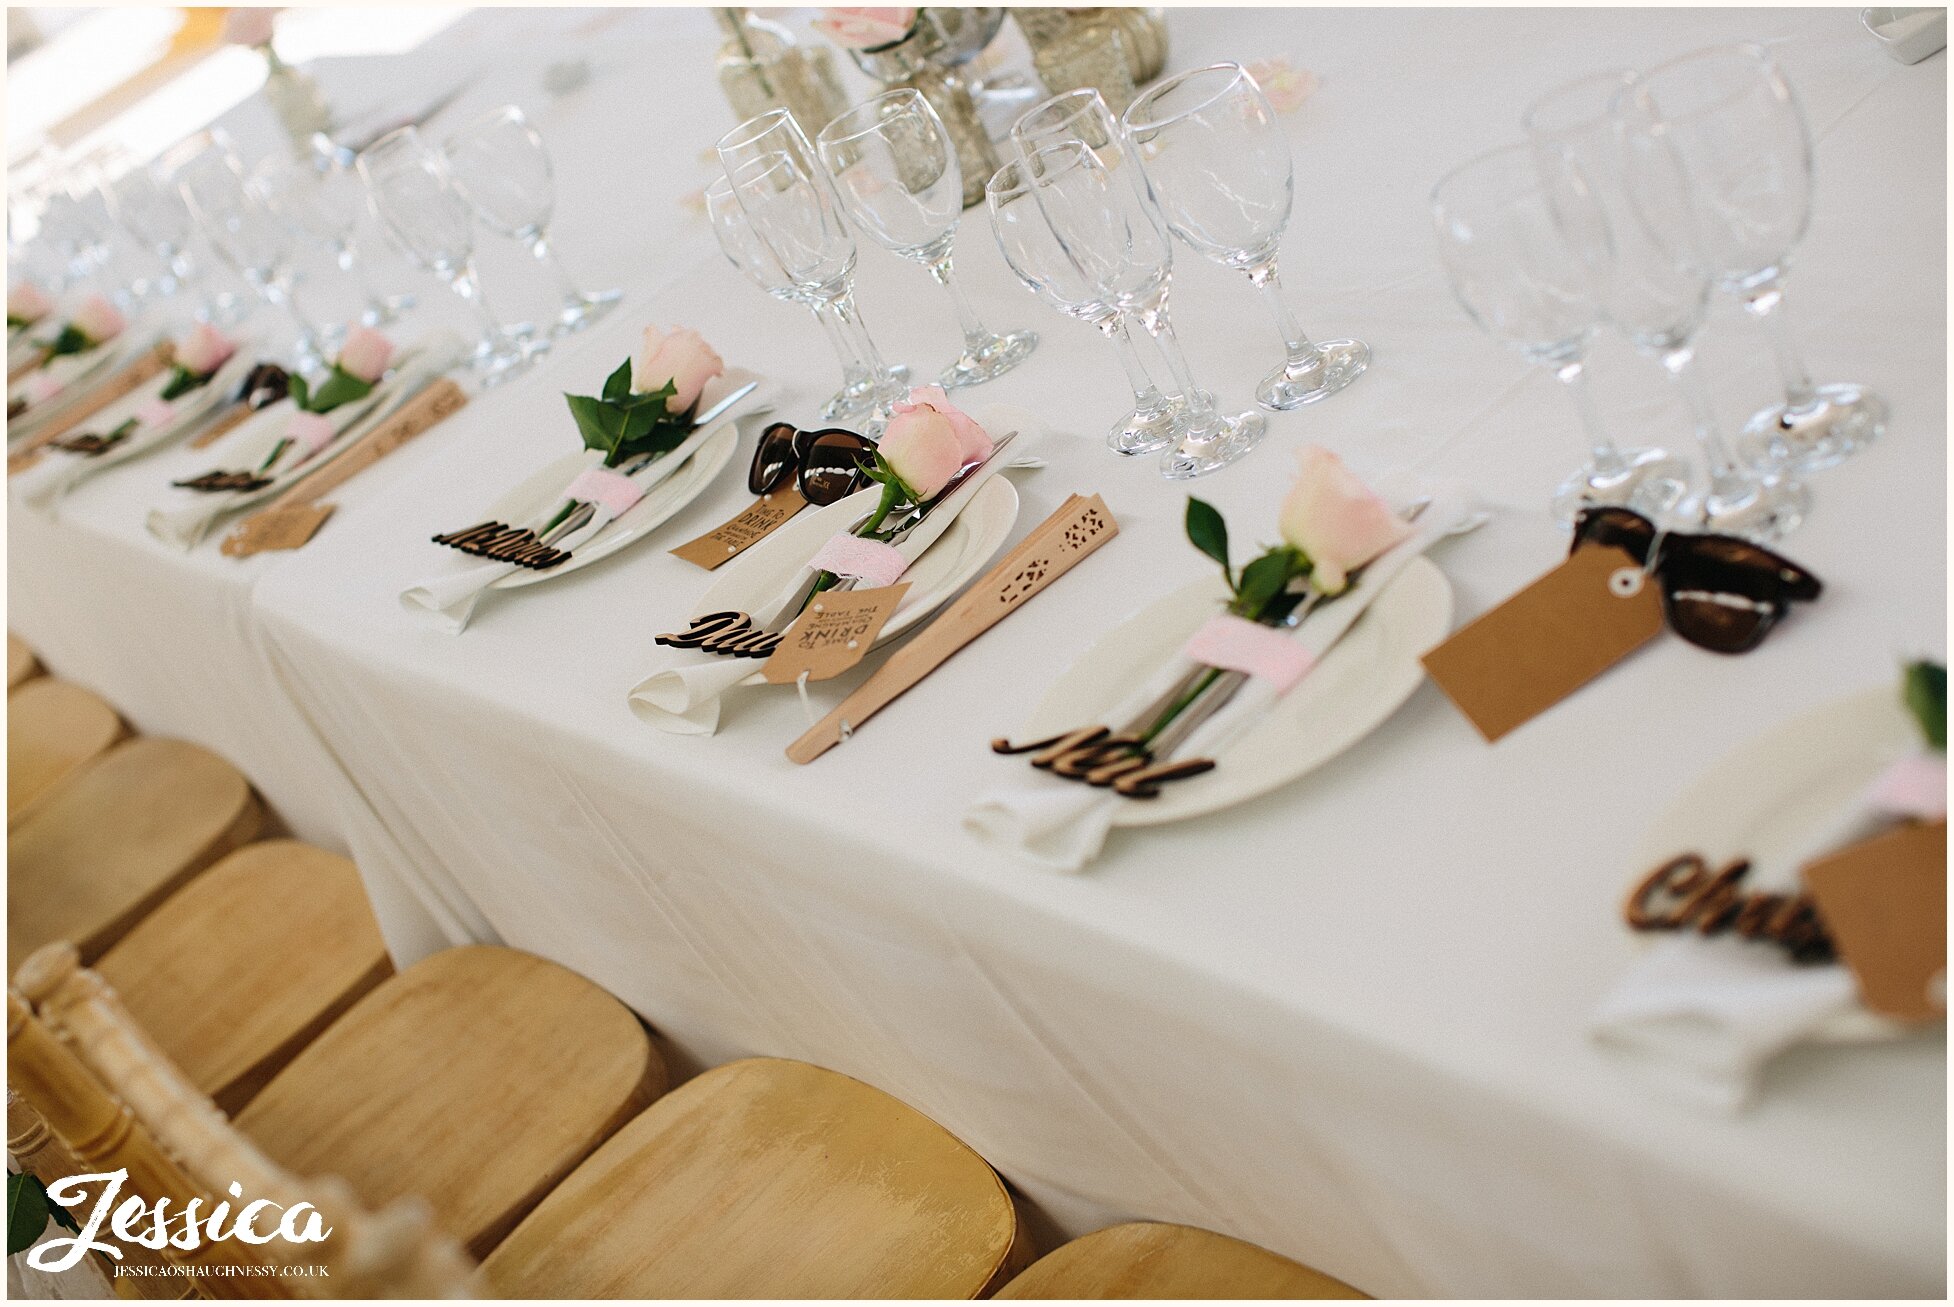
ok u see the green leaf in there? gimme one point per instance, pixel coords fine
(602, 424)
(339, 388)
(1263, 580)
(1209, 534)
(70, 341)
(182, 382)
(617, 386)
(27, 1212)
(1925, 692)
(297, 388)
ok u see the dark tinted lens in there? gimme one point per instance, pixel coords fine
(832, 467)
(773, 460)
(1725, 594)
(1624, 528)
(1719, 620)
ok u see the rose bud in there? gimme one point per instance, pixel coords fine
(98, 319)
(864, 29)
(1336, 519)
(680, 356)
(365, 354)
(27, 303)
(248, 26)
(921, 447)
(972, 440)
(204, 350)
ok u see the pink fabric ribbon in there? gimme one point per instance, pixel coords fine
(154, 412)
(40, 388)
(1236, 644)
(312, 430)
(871, 560)
(1915, 786)
(611, 491)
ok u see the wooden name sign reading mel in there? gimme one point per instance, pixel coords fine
(295, 516)
(1081, 525)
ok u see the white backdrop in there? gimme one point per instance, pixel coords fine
(1346, 1021)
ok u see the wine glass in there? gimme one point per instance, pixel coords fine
(1623, 204)
(1032, 251)
(1219, 166)
(1731, 118)
(1102, 224)
(407, 186)
(246, 234)
(500, 166)
(745, 252)
(1515, 274)
(297, 193)
(790, 203)
(900, 181)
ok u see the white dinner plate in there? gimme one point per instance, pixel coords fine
(76, 372)
(762, 575)
(191, 409)
(1769, 797)
(1359, 683)
(540, 493)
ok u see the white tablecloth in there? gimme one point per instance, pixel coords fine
(1346, 1021)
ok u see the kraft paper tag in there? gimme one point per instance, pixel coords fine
(832, 634)
(1884, 901)
(18, 463)
(276, 528)
(223, 425)
(1544, 643)
(739, 533)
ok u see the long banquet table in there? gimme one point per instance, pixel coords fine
(1348, 1020)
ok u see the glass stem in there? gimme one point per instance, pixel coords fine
(1302, 355)
(1607, 460)
(1146, 396)
(465, 284)
(1726, 481)
(1766, 304)
(1200, 412)
(539, 247)
(843, 307)
(976, 337)
(854, 373)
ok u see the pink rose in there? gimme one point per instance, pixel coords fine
(920, 445)
(154, 412)
(1285, 85)
(1336, 520)
(975, 443)
(27, 303)
(680, 356)
(204, 350)
(864, 29)
(249, 26)
(98, 319)
(312, 430)
(365, 354)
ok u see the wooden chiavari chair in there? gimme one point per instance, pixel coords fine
(1149, 1260)
(22, 666)
(54, 729)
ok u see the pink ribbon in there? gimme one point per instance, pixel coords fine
(40, 388)
(1236, 644)
(871, 560)
(312, 430)
(611, 491)
(1915, 786)
(154, 412)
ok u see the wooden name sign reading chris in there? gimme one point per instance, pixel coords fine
(1685, 894)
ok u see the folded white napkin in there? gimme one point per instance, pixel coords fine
(1703, 1015)
(184, 526)
(1061, 825)
(449, 598)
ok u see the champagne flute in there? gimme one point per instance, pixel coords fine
(1515, 275)
(900, 181)
(1219, 166)
(1731, 118)
(500, 166)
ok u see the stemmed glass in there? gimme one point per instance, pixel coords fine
(1517, 277)
(1033, 252)
(900, 180)
(246, 234)
(1106, 233)
(500, 166)
(297, 193)
(1731, 118)
(1220, 168)
(407, 185)
(791, 206)
(1624, 206)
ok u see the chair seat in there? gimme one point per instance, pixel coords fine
(1147, 1260)
(244, 966)
(117, 839)
(54, 727)
(476, 1079)
(21, 663)
(768, 1179)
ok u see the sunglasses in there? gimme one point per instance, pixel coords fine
(1718, 592)
(828, 465)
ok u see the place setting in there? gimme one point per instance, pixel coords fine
(69, 369)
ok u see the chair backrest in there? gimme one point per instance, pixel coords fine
(116, 1103)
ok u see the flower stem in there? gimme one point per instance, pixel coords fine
(1180, 705)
